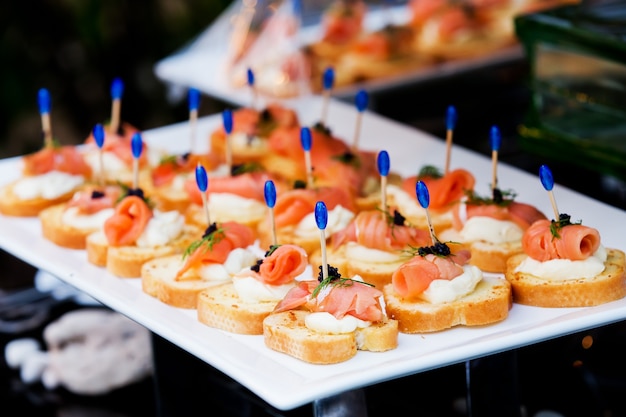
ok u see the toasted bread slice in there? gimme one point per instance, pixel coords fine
(13, 205)
(158, 279)
(608, 286)
(126, 261)
(286, 332)
(56, 230)
(489, 303)
(221, 307)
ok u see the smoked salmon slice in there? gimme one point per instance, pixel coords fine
(281, 266)
(371, 230)
(60, 158)
(247, 185)
(521, 214)
(445, 190)
(165, 172)
(292, 206)
(94, 199)
(413, 277)
(574, 241)
(345, 297)
(216, 245)
(131, 216)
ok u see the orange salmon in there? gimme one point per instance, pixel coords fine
(282, 266)
(94, 199)
(247, 185)
(350, 297)
(343, 21)
(444, 190)
(414, 277)
(293, 205)
(131, 216)
(170, 167)
(227, 236)
(62, 158)
(520, 213)
(369, 229)
(575, 242)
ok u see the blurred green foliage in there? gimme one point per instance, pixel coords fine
(75, 48)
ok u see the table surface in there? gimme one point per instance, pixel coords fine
(285, 382)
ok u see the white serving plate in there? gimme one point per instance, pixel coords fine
(285, 382)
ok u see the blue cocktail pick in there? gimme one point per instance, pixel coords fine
(423, 196)
(383, 169)
(495, 140)
(328, 78)
(250, 76)
(451, 119)
(270, 200)
(361, 100)
(193, 96)
(44, 101)
(547, 180)
(117, 88)
(321, 219)
(136, 145)
(202, 180)
(307, 142)
(227, 119)
(98, 135)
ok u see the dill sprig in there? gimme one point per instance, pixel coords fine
(322, 128)
(266, 124)
(257, 266)
(334, 279)
(502, 198)
(348, 158)
(128, 191)
(430, 171)
(564, 220)
(212, 235)
(240, 169)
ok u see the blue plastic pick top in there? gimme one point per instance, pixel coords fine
(451, 118)
(136, 144)
(117, 88)
(305, 138)
(201, 178)
(250, 75)
(329, 78)
(422, 194)
(496, 138)
(44, 100)
(227, 118)
(270, 193)
(98, 135)
(194, 99)
(321, 215)
(361, 100)
(383, 163)
(545, 175)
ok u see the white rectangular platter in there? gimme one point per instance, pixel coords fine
(285, 382)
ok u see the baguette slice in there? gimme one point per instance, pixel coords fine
(126, 261)
(286, 332)
(610, 285)
(158, 280)
(489, 257)
(61, 233)
(12, 205)
(489, 303)
(221, 307)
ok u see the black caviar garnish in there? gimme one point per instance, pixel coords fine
(398, 218)
(322, 128)
(257, 267)
(299, 184)
(438, 249)
(498, 197)
(95, 194)
(136, 192)
(333, 273)
(209, 230)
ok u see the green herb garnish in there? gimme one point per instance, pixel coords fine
(211, 236)
(348, 158)
(430, 171)
(499, 198)
(240, 169)
(334, 279)
(564, 220)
